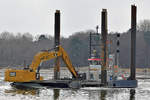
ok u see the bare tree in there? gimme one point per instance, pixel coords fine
(144, 25)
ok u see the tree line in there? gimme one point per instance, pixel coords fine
(19, 49)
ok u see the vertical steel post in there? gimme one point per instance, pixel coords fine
(133, 43)
(104, 46)
(56, 44)
(90, 47)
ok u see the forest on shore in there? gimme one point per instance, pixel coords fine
(19, 49)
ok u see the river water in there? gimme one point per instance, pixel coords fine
(142, 92)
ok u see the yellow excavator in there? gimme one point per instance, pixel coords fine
(32, 72)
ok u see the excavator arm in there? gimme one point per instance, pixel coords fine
(68, 63)
(28, 75)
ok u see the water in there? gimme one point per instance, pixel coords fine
(9, 93)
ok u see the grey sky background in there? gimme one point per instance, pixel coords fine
(37, 16)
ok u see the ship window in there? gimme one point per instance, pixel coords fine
(90, 62)
(99, 76)
(98, 62)
(91, 76)
(94, 62)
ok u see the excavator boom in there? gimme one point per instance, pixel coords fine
(43, 56)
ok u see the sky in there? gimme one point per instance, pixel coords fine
(37, 16)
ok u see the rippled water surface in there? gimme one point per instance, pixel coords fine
(9, 93)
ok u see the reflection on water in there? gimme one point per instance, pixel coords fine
(68, 94)
(132, 94)
(56, 94)
(103, 94)
(97, 95)
(141, 93)
(15, 91)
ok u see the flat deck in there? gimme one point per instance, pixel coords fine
(76, 84)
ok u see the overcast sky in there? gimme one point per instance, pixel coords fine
(37, 16)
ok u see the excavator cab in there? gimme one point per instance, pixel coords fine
(21, 75)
